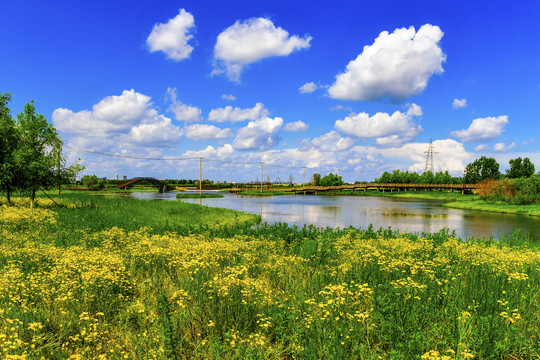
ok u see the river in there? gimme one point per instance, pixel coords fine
(408, 215)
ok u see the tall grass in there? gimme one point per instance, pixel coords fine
(94, 279)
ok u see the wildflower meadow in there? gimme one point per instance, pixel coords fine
(97, 279)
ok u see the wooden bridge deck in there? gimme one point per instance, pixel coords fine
(463, 188)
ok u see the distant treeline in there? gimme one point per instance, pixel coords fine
(399, 177)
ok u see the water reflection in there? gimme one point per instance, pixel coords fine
(409, 215)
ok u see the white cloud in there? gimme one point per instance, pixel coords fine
(482, 129)
(395, 66)
(236, 114)
(332, 141)
(389, 130)
(182, 112)
(501, 147)
(457, 103)
(159, 132)
(127, 119)
(481, 147)
(172, 37)
(296, 126)
(206, 132)
(308, 88)
(341, 107)
(250, 41)
(228, 97)
(261, 134)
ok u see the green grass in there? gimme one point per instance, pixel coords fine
(132, 214)
(193, 195)
(499, 206)
(105, 276)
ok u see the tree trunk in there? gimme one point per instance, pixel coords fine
(32, 197)
(8, 195)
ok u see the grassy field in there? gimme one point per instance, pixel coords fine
(133, 279)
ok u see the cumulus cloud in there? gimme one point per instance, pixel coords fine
(388, 130)
(397, 65)
(228, 97)
(261, 134)
(129, 119)
(296, 126)
(332, 141)
(480, 147)
(457, 103)
(501, 147)
(251, 40)
(172, 37)
(308, 88)
(182, 112)
(482, 129)
(206, 132)
(236, 114)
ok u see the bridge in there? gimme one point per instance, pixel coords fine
(153, 181)
(463, 188)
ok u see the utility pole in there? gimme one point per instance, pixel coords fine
(200, 176)
(304, 178)
(261, 175)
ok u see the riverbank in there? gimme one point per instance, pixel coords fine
(127, 278)
(498, 207)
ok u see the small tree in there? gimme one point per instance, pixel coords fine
(38, 137)
(316, 179)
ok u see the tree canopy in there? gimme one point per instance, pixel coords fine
(481, 169)
(30, 152)
(520, 168)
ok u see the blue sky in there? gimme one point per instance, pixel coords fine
(344, 86)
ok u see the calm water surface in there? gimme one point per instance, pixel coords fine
(410, 215)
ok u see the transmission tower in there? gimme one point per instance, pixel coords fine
(429, 157)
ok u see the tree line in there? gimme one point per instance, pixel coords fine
(30, 153)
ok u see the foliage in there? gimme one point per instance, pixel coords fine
(480, 169)
(73, 286)
(398, 177)
(514, 191)
(316, 179)
(10, 177)
(93, 182)
(520, 168)
(331, 180)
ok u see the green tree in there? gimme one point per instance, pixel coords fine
(38, 137)
(480, 169)
(331, 180)
(9, 143)
(63, 174)
(316, 179)
(520, 168)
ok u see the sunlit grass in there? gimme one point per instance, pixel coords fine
(109, 278)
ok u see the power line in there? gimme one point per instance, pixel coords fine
(189, 158)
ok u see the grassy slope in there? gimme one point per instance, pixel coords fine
(132, 214)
